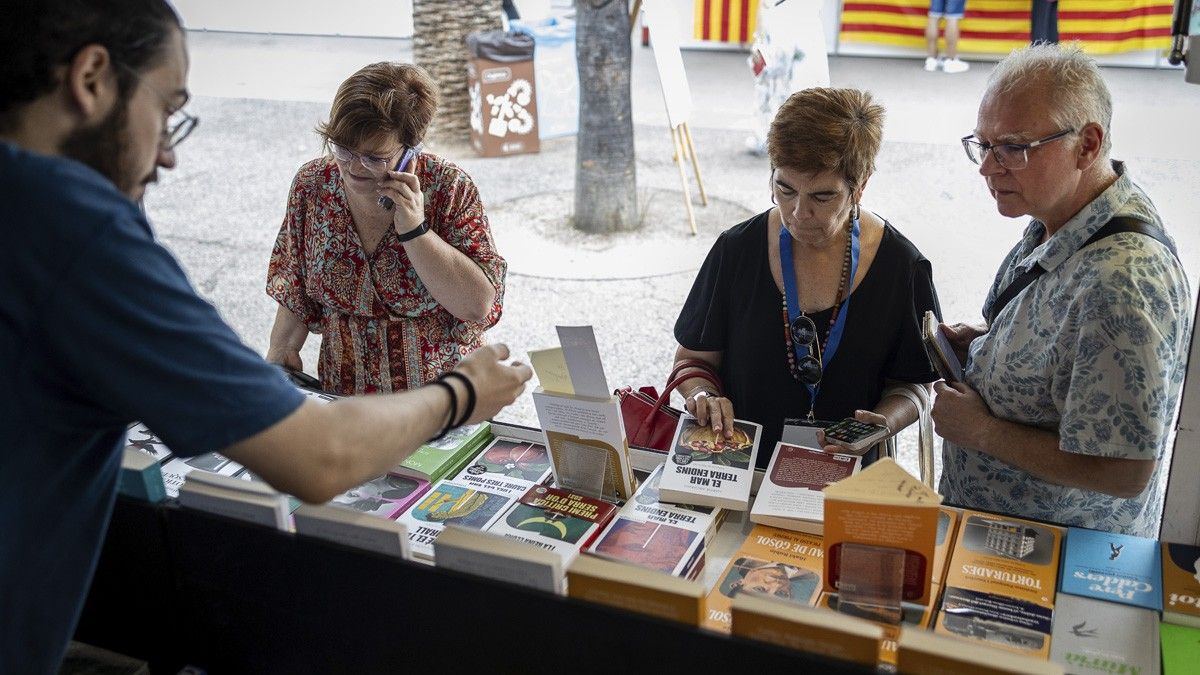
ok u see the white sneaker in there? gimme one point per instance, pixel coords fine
(955, 66)
(932, 63)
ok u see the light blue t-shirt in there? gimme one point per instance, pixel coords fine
(98, 327)
(1094, 350)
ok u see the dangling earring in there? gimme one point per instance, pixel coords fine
(854, 211)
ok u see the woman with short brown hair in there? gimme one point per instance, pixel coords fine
(384, 250)
(811, 310)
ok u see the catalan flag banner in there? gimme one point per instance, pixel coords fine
(724, 20)
(999, 26)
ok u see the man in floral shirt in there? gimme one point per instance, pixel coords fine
(1071, 391)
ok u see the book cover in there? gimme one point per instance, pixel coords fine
(386, 496)
(141, 477)
(920, 651)
(586, 439)
(496, 557)
(140, 438)
(352, 528)
(176, 469)
(1000, 583)
(448, 503)
(437, 459)
(1114, 567)
(1180, 648)
(1181, 584)
(508, 467)
(947, 530)
(913, 614)
(1098, 636)
(555, 519)
(807, 629)
(707, 469)
(883, 506)
(670, 538)
(782, 563)
(636, 589)
(790, 495)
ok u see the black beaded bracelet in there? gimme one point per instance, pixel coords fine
(470, 409)
(453, 409)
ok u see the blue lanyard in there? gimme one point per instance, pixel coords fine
(793, 300)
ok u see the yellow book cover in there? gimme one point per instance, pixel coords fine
(781, 563)
(884, 505)
(636, 589)
(1181, 584)
(807, 629)
(1000, 583)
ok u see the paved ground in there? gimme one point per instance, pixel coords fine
(260, 96)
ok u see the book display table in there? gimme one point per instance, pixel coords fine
(177, 586)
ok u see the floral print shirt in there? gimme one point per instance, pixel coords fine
(1094, 350)
(381, 329)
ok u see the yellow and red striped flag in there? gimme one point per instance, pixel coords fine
(724, 20)
(999, 26)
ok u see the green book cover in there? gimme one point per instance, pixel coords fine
(435, 460)
(1180, 648)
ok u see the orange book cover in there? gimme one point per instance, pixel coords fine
(883, 505)
(636, 589)
(782, 563)
(807, 629)
(1000, 583)
(1181, 584)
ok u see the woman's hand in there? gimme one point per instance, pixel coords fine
(404, 189)
(288, 358)
(711, 410)
(960, 336)
(865, 416)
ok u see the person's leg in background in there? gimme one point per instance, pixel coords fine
(936, 8)
(954, 13)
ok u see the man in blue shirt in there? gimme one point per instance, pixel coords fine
(99, 326)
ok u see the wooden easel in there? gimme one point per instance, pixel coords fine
(676, 95)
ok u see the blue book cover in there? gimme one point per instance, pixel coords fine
(1114, 567)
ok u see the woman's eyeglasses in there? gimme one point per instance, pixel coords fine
(376, 165)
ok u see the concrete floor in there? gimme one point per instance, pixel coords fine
(259, 97)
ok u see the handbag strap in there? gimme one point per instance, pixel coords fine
(1113, 226)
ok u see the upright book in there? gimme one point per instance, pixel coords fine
(507, 466)
(807, 629)
(554, 519)
(707, 468)
(1181, 584)
(352, 528)
(920, 652)
(1099, 636)
(886, 507)
(437, 459)
(669, 538)
(1000, 583)
(636, 589)
(496, 557)
(782, 563)
(1114, 567)
(790, 495)
(448, 503)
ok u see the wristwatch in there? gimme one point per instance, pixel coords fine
(415, 232)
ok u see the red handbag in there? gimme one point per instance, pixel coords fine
(649, 421)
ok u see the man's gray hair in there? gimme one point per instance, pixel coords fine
(1077, 93)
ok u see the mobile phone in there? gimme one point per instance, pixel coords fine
(855, 435)
(938, 348)
(385, 201)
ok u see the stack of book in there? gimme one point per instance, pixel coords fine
(1106, 612)
(670, 538)
(791, 493)
(1000, 584)
(706, 468)
(386, 497)
(637, 589)
(447, 455)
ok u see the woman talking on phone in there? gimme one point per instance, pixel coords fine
(811, 310)
(384, 250)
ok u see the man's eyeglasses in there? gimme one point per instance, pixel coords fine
(179, 123)
(1012, 156)
(376, 165)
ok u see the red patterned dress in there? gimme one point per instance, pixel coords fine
(381, 329)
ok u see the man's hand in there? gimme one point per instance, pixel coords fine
(715, 411)
(496, 384)
(960, 415)
(960, 336)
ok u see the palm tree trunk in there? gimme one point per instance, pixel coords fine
(605, 176)
(440, 30)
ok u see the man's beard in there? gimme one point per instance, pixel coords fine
(105, 147)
